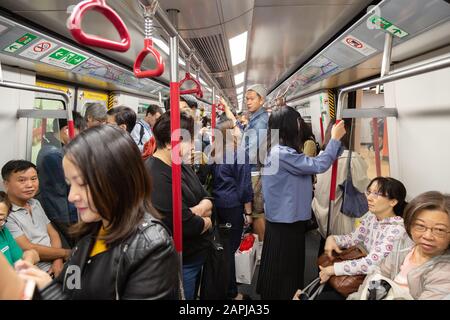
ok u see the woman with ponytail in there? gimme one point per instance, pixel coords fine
(379, 229)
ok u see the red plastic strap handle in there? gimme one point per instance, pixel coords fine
(199, 94)
(148, 49)
(76, 18)
(197, 90)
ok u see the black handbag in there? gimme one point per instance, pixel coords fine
(214, 276)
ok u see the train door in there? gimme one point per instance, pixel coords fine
(44, 125)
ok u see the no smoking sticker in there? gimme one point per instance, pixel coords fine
(358, 45)
(37, 50)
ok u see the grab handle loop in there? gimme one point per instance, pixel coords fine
(149, 13)
(74, 25)
(188, 77)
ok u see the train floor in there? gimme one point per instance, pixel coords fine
(311, 272)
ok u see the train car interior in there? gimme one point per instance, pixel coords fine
(381, 65)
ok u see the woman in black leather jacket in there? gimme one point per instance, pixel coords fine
(124, 252)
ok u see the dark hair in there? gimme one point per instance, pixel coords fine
(345, 140)
(161, 129)
(153, 109)
(120, 187)
(167, 102)
(5, 200)
(123, 115)
(78, 121)
(286, 121)
(431, 200)
(306, 132)
(14, 166)
(205, 121)
(392, 189)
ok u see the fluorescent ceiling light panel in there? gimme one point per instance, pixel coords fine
(239, 90)
(239, 78)
(203, 82)
(238, 48)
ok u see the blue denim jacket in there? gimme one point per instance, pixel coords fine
(254, 134)
(288, 192)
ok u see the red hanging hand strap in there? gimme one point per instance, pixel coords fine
(148, 49)
(149, 13)
(196, 90)
(74, 25)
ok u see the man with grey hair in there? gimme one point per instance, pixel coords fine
(95, 114)
(253, 138)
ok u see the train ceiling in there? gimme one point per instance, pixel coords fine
(284, 35)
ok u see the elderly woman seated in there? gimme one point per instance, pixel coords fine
(419, 265)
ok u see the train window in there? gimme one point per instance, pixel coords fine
(371, 142)
(43, 126)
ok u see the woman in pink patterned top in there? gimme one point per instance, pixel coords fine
(378, 230)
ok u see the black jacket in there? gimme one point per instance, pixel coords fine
(195, 243)
(143, 267)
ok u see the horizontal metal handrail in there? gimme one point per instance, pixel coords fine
(64, 95)
(403, 74)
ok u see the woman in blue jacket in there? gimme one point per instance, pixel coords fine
(232, 191)
(287, 190)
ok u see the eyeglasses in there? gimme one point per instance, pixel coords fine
(438, 232)
(374, 194)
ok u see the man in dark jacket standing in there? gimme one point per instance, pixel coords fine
(53, 187)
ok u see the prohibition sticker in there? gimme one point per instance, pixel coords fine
(358, 45)
(38, 50)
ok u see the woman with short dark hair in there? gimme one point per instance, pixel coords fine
(196, 203)
(124, 252)
(378, 230)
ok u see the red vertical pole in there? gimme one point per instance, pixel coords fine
(322, 134)
(176, 164)
(213, 120)
(376, 146)
(43, 130)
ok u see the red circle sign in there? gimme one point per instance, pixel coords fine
(354, 43)
(41, 47)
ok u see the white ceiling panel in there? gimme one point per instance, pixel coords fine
(300, 28)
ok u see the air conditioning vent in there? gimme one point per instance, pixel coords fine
(225, 82)
(212, 49)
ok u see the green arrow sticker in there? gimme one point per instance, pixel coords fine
(64, 58)
(382, 23)
(396, 31)
(13, 47)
